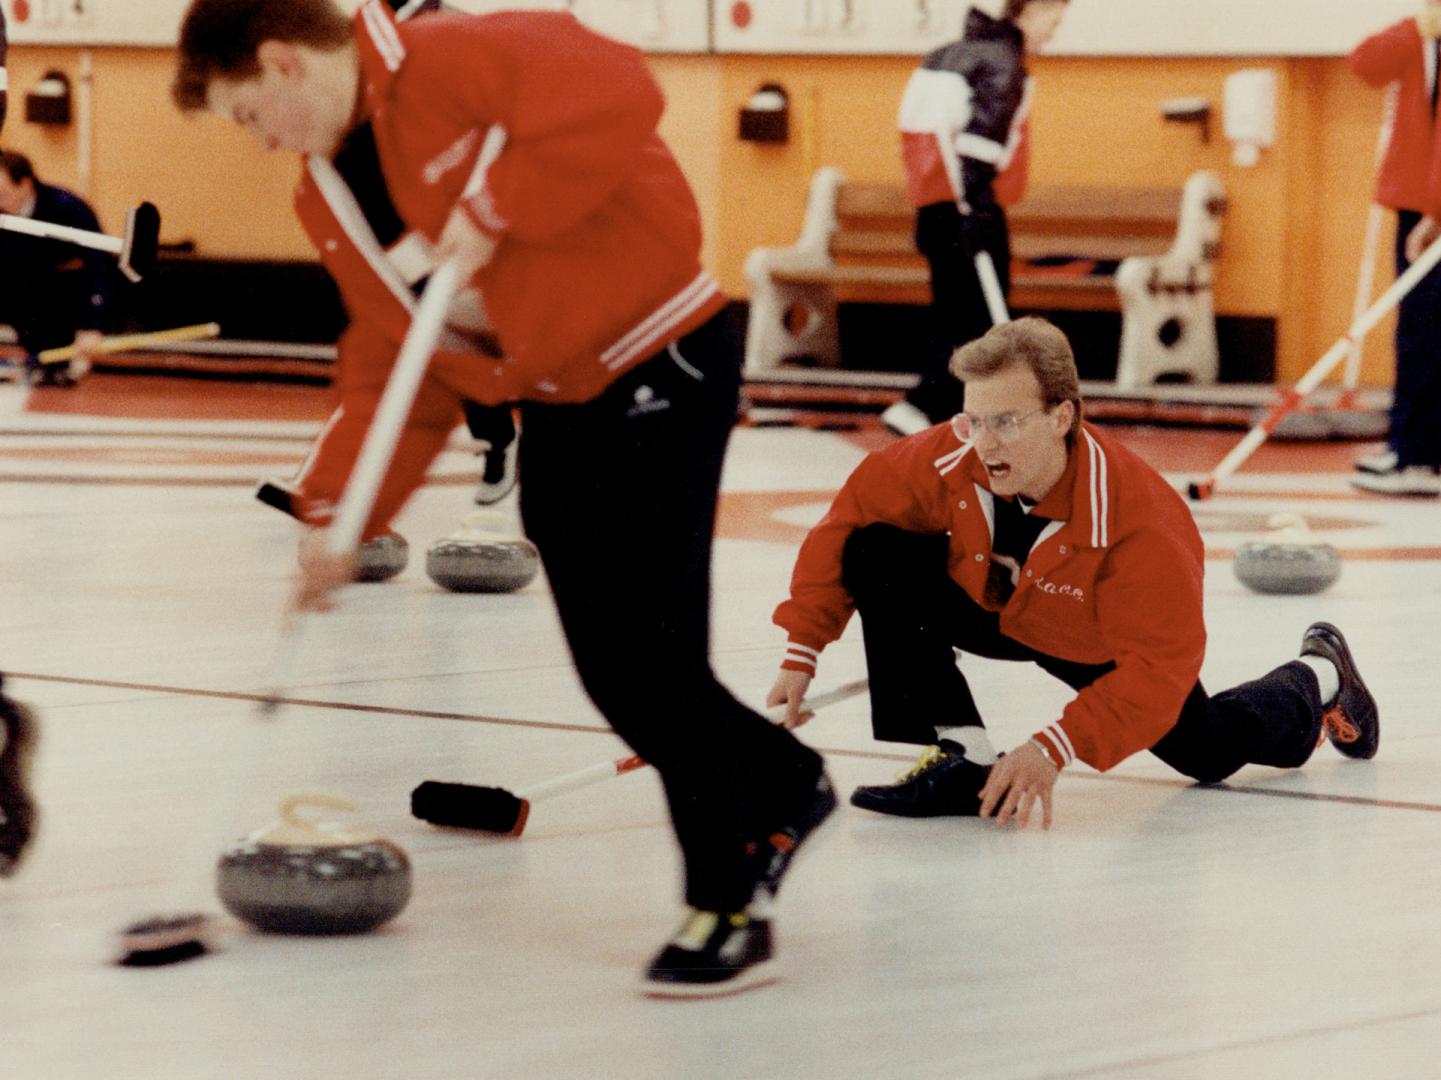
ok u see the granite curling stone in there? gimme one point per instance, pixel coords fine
(482, 556)
(382, 558)
(1288, 559)
(297, 877)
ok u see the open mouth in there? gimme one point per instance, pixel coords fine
(998, 470)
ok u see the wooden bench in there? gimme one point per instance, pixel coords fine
(1149, 253)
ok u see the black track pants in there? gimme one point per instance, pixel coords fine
(914, 617)
(620, 497)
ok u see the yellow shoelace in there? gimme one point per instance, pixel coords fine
(701, 924)
(930, 757)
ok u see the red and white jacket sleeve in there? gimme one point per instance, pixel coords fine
(366, 358)
(565, 152)
(881, 490)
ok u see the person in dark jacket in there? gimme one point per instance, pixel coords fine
(56, 293)
(964, 124)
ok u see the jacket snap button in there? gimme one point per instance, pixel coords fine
(963, 504)
(1063, 549)
(980, 558)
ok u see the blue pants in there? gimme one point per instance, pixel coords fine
(1416, 406)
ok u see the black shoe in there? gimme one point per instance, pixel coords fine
(775, 854)
(1351, 721)
(944, 782)
(17, 809)
(497, 476)
(713, 954)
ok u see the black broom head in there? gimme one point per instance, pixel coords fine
(142, 242)
(468, 806)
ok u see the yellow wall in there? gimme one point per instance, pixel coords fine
(1292, 239)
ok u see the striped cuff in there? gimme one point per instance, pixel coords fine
(800, 658)
(1055, 744)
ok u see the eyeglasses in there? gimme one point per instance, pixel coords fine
(1006, 427)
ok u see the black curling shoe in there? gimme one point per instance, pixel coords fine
(1351, 721)
(943, 783)
(17, 809)
(713, 954)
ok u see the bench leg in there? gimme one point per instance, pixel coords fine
(1168, 325)
(789, 321)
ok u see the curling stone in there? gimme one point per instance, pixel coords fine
(1303, 425)
(1360, 424)
(482, 556)
(1289, 559)
(297, 877)
(382, 558)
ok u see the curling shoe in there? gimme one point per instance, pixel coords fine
(1416, 481)
(1382, 462)
(943, 783)
(497, 476)
(17, 809)
(712, 955)
(1350, 721)
(775, 854)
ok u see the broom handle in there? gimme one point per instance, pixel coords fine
(398, 398)
(95, 241)
(129, 342)
(1366, 279)
(991, 289)
(1297, 394)
(604, 770)
(384, 433)
(386, 427)
(1365, 285)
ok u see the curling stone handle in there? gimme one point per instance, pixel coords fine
(290, 804)
(293, 829)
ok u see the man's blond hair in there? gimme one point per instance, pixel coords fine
(1034, 343)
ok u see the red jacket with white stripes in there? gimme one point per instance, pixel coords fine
(968, 99)
(1115, 577)
(1410, 175)
(597, 263)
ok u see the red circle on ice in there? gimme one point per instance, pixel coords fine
(22, 10)
(741, 14)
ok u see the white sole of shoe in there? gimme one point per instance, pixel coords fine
(754, 977)
(1361, 483)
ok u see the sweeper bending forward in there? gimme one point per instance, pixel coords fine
(1018, 532)
(583, 239)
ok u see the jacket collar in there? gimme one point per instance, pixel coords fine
(1082, 497)
(381, 51)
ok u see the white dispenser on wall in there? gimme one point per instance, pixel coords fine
(1250, 113)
